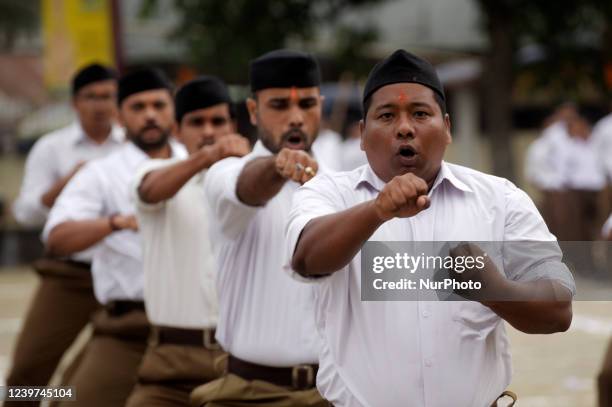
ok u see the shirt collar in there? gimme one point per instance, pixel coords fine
(259, 150)
(367, 175)
(446, 173)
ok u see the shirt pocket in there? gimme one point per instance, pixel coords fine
(474, 319)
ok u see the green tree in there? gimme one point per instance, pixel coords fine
(223, 35)
(16, 18)
(574, 39)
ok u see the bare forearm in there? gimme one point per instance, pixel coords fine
(163, 184)
(547, 307)
(74, 236)
(49, 197)
(330, 242)
(259, 182)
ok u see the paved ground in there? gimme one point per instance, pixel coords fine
(550, 370)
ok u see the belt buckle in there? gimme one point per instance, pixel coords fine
(209, 341)
(296, 375)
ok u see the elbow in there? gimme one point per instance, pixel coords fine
(559, 320)
(298, 264)
(564, 320)
(54, 246)
(146, 195)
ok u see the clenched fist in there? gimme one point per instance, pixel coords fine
(296, 165)
(404, 196)
(232, 145)
(123, 222)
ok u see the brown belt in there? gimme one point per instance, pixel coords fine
(122, 307)
(299, 377)
(166, 335)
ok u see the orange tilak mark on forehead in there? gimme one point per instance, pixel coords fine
(293, 94)
(402, 96)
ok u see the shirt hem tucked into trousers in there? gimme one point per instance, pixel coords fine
(170, 372)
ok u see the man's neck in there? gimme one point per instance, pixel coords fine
(98, 134)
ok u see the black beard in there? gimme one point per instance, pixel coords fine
(150, 146)
(268, 142)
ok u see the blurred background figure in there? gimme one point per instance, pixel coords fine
(64, 300)
(602, 141)
(542, 164)
(584, 182)
(504, 67)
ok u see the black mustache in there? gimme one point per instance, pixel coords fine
(151, 127)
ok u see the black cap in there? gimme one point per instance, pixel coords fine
(284, 69)
(142, 80)
(92, 73)
(200, 93)
(400, 67)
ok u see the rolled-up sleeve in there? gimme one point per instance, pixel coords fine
(531, 252)
(318, 197)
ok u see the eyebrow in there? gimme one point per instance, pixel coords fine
(394, 105)
(285, 98)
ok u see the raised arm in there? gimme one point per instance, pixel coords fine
(162, 184)
(328, 243)
(262, 178)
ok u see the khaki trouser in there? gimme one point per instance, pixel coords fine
(234, 391)
(582, 215)
(169, 373)
(61, 307)
(107, 372)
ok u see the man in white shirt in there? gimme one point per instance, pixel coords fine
(266, 320)
(584, 181)
(96, 208)
(178, 264)
(543, 169)
(64, 300)
(416, 353)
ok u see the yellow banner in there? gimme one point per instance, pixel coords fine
(75, 33)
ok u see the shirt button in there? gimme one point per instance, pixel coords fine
(428, 362)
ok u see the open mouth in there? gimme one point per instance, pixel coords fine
(407, 151)
(295, 140)
(407, 155)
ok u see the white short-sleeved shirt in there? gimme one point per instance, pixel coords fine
(581, 166)
(433, 354)
(102, 188)
(265, 316)
(52, 157)
(178, 264)
(542, 167)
